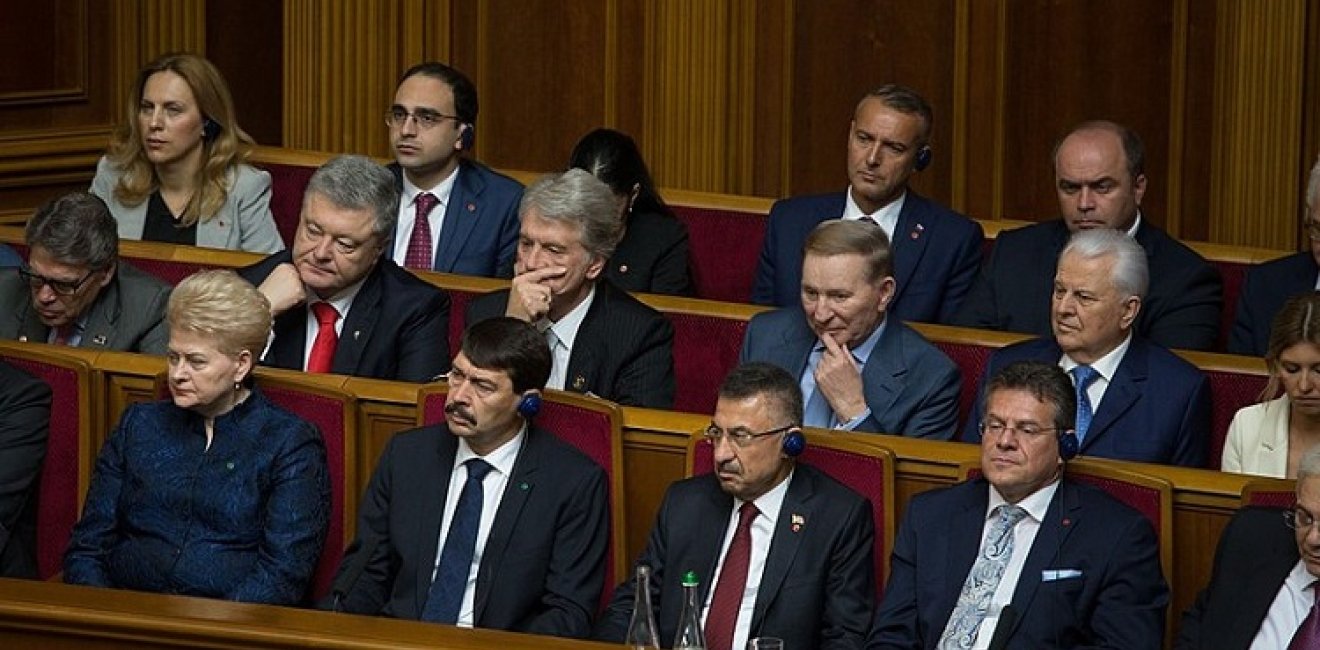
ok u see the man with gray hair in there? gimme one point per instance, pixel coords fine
(1262, 589)
(604, 342)
(1269, 285)
(73, 290)
(341, 306)
(1135, 400)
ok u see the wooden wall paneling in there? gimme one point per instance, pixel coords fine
(1198, 116)
(625, 80)
(1311, 95)
(978, 118)
(1260, 53)
(245, 40)
(172, 26)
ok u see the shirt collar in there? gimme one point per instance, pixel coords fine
(1036, 504)
(342, 301)
(888, 211)
(1107, 365)
(441, 191)
(1136, 223)
(863, 351)
(501, 458)
(770, 503)
(567, 327)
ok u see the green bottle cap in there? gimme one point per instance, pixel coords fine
(690, 579)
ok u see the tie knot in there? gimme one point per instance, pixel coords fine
(1010, 514)
(425, 202)
(1084, 375)
(325, 313)
(746, 514)
(478, 469)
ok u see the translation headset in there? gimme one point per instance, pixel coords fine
(210, 129)
(794, 443)
(1068, 444)
(924, 155)
(529, 405)
(467, 136)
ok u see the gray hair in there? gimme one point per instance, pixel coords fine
(1131, 274)
(1313, 187)
(578, 197)
(358, 183)
(75, 229)
(1309, 465)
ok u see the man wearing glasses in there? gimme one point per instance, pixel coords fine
(1263, 589)
(779, 549)
(73, 290)
(1023, 556)
(455, 215)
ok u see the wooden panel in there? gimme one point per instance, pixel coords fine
(172, 26)
(61, 75)
(244, 39)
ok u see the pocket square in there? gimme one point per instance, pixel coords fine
(1053, 575)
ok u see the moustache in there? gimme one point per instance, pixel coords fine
(461, 411)
(731, 466)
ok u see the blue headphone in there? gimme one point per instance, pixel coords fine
(794, 443)
(1068, 444)
(467, 136)
(924, 154)
(529, 405)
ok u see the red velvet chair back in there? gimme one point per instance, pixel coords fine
(705, 350)
(856, 460)
(1233, 273)
(287, 184)
(971, 359)
(1229, 391)
(1270, 493)
(725, 247)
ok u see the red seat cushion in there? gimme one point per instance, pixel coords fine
(725, 248)
(705, 350)
(287, 184)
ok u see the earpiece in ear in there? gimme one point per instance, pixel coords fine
(467, 136)
(924, 155)
(210, 129)
(794, 443)
(529, 405)
(1068, 444)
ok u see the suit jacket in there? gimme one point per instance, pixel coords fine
(1257, 440)
(244, 222)
(910, 386)
(818, 587)
(1256, 553)
(1265, 289)
(652, 257)
(9, 257)
(480, 232)
(1013, 292)
(1156, 409)
(24, 423)
(1117, 601)
(624, 351)
(936, 254)
(399, 327)
(543, 565)
(128, 315)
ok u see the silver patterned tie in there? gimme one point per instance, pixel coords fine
(983, 580)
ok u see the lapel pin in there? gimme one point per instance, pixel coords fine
(99, 339)
(22, 339)
(798, 521)
(357, 334)
(579, 382)
(229, 465)
(623, 268)
(471, 207)
(1067, 521)
(917, 230)
(524, 486)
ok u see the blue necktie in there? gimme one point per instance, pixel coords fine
(1082, 377)
(446, 594)
(818, 412)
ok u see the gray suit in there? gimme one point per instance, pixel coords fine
(910, 386)
(128, 316)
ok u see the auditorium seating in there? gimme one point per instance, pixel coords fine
(1270, 492)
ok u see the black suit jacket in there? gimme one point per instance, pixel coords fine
(652, 257)
(624, 351)
(818, 588)
(396, 329)
(24, 423)
(1256, 553)
(543, 566)
(1265, 289)
(1116, 599)
(1013, 292)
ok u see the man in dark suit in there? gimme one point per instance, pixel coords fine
(534, 546)
(604, 342)
(469, 213)
(780, 549)
(24, 424)
(1263, 587)
(1023, 556)
(340, 306)
(1269, 285)
(74, 291)
(936, 250)
(1147, 403)
(859, 368)
(1098, 169)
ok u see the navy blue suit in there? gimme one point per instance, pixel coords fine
(480, 233)
(9, 257)
(1117, 601)
(909, 385)
(1156, 409)
(1265, 289)
(936, 254)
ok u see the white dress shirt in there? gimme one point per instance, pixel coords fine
(1104, 367)
(1290, 607)
(408, 214)
(565, 332)
(1024, 535)
(886, 217)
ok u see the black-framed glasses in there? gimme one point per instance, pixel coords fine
(424, 119)
(1299, 519)
(997, 429)
(740, 438)
(61, 287)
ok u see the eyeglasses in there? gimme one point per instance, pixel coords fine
(424, 119)
(1299, 519)
(740, 438)
(61, 287)
(997, 429)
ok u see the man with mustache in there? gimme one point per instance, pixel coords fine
(1135, 399)
(780, 549)
(485, 520)
(340, 305)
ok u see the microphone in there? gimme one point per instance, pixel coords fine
(352, 572)
(1004, 628)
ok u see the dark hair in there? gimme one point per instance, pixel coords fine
(511, 346)
(908, 101)
(1047, 382)
(465, 93)
(75, 228)
(1133, 148)
(613, 157)
(757, 378)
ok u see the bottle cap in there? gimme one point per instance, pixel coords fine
(690, 579)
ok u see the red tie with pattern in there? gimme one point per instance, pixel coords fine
(1307, 636)
(323, 348)
(419, 245)
(724, 605)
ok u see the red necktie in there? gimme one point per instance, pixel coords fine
(419, 245)
(63, 334)
(323, 348)
(1308, 633)
(723, 615)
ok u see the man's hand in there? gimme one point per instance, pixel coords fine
(840, 380)
(283, 288)
(529, 297)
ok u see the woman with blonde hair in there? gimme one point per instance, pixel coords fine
(176, 169)
(215, 492)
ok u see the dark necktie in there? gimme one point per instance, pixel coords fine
(1083, 375)
(1307, 636)
(451, 577)
(322, 355)
(419, 244)
(727, 601)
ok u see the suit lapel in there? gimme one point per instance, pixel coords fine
(587, 355)
(286, 350)
(1122, 394)
(101, 319)
(30, 327)
(963, 545)
(884, 370)
(908, 242)
(784, 544)
(359, 323)
(460, 218)
(1061, 519)
(516, 493)
(427, 534)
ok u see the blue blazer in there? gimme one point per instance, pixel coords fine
(480, 235)
(1116, 601)
(936, 254)
(1265, 289)
(910, 386)
(1156, 409)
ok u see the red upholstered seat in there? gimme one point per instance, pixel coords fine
(971, 360)
(287, 184)
(458, 303)
(1229, 391)
(170, 271)
(1233, 273)
(1270, 493)
(725, 246)
(858, 461)
(705, 350)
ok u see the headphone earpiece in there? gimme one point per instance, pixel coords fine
(924, 155)
(467, 136)
(794, 443)
(210, 129)
(1068, 445)
(529, 405)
